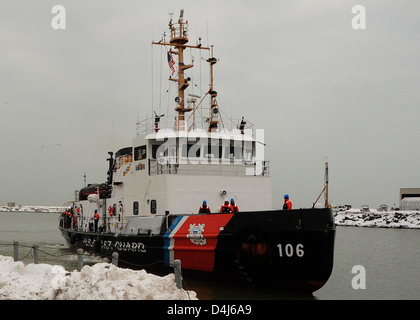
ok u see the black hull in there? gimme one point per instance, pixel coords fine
(273, 249)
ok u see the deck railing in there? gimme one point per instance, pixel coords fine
(256, 168)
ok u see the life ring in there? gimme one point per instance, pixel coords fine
(111, 210)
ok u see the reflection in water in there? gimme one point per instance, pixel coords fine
(220, 290)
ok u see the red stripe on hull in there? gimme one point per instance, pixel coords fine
(196, 240)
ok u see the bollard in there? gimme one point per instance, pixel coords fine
(115, 258)
(79, 259)
(178, 273)
(16, 250)
(36, 257)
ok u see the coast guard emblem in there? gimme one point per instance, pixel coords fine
(196, 234)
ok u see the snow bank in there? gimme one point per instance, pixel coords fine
(102, 281)
(382, 219)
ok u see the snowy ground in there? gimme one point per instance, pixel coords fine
(102, 281)
(381, 219)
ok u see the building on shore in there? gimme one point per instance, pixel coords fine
(409, 198)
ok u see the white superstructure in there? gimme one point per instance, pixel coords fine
(172, 168)
(175, 172)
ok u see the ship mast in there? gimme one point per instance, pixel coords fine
(179, 40)
(214, 109)
(324, 190)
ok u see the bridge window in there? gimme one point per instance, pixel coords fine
(213, 151)
(232, 152)
(155, 153)
(140, 153)
(191, 150)
(248, 150)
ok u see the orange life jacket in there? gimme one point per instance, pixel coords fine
(226, 208)
(204, 210)
(234, 208)
(287, 205)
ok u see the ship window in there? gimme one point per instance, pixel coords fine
(135, 208)
(248, 155)
(213, 151)
(191, 150)
(153, 206)
(232, 152)
(156, 153)
(168, 148)
(185, 150)
(140, 153)
(115, 210)
(248, 151)
(172, 151)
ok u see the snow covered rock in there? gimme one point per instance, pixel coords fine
(388, 219)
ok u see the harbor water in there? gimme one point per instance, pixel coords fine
(369, 263)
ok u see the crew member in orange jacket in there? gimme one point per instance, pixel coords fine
(226, 207)
(204, 208)
(233, 206)
(96, 216)
(287, 203)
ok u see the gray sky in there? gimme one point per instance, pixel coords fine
(321, 90)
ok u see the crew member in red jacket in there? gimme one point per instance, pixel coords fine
(96, 219)
(204, 208)
(234, 207)
(226, 207)
(287, 203)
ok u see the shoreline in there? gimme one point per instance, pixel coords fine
(351, 218)
(397, 219)
(32, 209)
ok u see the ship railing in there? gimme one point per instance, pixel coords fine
(148, 125)
(85, 223)
(244, 168)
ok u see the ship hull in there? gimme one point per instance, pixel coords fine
(272, 249)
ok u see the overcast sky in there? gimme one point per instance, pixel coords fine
(321, 90)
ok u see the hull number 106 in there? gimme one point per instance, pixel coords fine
(288, 250)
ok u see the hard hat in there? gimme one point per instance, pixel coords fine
(96, 210)
(232, 200)
(286, 196)
(204, 201)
